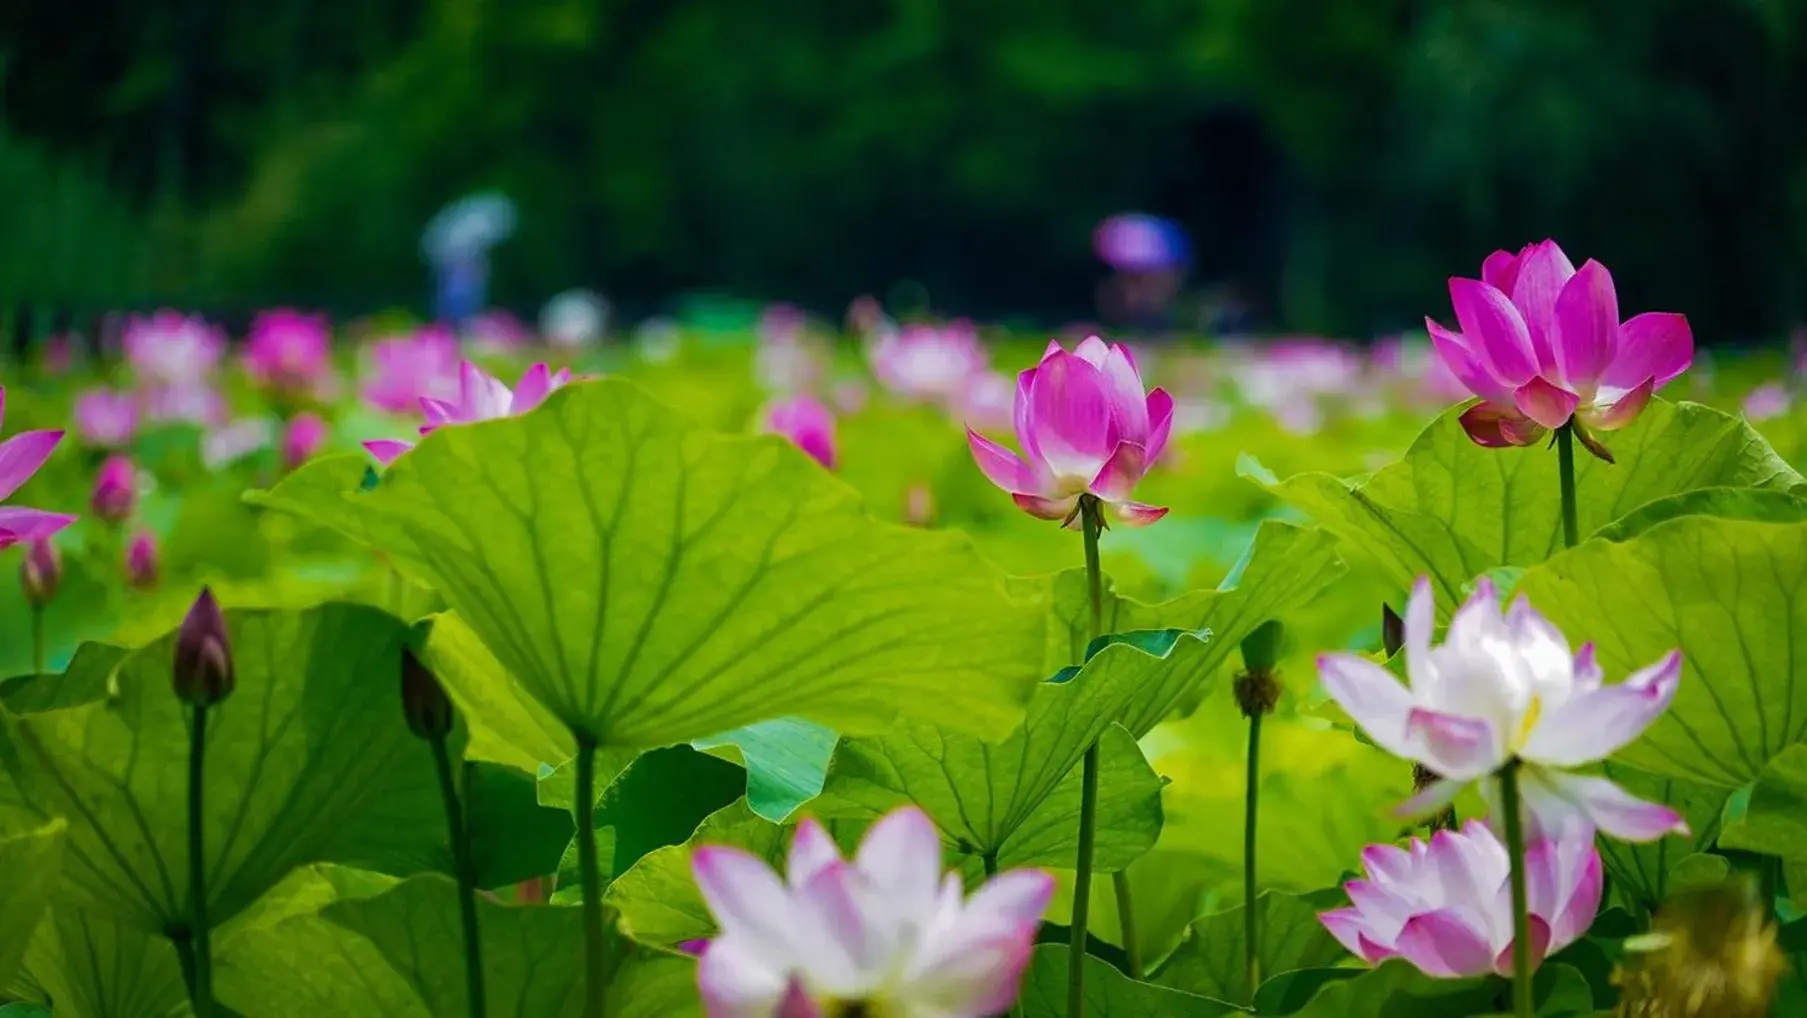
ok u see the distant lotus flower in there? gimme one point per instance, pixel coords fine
(496, 331)
(1767, 401)
(885, 934)
(808, 424)
(203, 672)
(41, 572)
(1503, 688)
(289, 350)
(1541, 344)
(926, 362)
(106, 418)
(1086, 427)
(302, 439)
(404, 369)
(115, 492)
(225, 445)
(195, 402)
(141, 560)
(1445, 907)
(780, 324)
(1416, 363)
(987, 402)
(1137, 242)
(865, 315)
(172, 349)
(481, 397)
(58, 356)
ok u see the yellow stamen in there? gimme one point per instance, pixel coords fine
(1532, 711)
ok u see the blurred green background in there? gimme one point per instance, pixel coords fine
(1333, 160)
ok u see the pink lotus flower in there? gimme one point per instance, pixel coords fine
(41, 572)
(1503, 688)
(987, 401)
(20, 457)
(195, 402)
(302, 439)
(1542, 344)
(141, 560)
(289, 350)
(1446, 907)
(808, 424)
(106, 418)
(406, 369)
(115, 492)
(497, 331)
(229, 443)
(1767, 401)
(885, 934)
(173, 349)
(1086, 428)
(923, 362)
(481, 397)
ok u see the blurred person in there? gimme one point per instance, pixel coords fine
(1149, 257)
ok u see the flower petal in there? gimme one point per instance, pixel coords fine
(1117, 480)
(811, 849)
(1353, 932)
(481, 396)
(1044, 508)
(1588, 675)
(900, 857)
(1160, 422)
(1577, 914)
(1539, 931)
(745, 896)
(1541, 271)
(1463, 363)
(387, 449)
(18, 524)
(1623, 408)
(22, 455)
(1420, 622)
(532, 390)
(1093, 350)
(1129, 403)
(1016, 897)
(1071, 416)
(1136, 514)
(1459, 748)
(828, 930)
(1493, 426)
(1586, 335)
(1372, 698)
(1500, 270)
(1430, 799)
(1656, 345)
(1443, 944)
(1549, 405)
(1494, 331)
(736, 982)
(999, 465)
(1596, 724)
(1553, 798)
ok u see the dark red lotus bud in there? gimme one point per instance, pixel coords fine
(203, 671)
(428, 709)
(1392, 630)
(41, 573)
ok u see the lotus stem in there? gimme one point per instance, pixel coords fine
(37, 639)
(1565, 467)
(1251, 807)
(1091, 514)
(459, 833)
(200, 990)
(595, 948)
(1521, 922)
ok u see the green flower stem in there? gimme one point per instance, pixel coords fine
(1521, 920)
(1091, 515)
(1251, 802)
(596, 972)
(200, 990)
(1565, 466)
(37, 639)
(459, 833)
(1126, 920)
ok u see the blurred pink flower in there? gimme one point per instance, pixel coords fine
(404, 369)
(106, 418)
(1414, 364)
(115, 492)
(1767, 401)
(497, 331)
(481, 397)
(882, 934)
(780, 324)
(41, 571)
(987, 401)
(141, 560)
(289, 350)
(1542, 344)
(926, 362)
(807, 423)
(20, 458)
(58, 355)
(303, 439)
(192, 402)
(172, 349)
(1087, 428)
(1446, 907)
(226, 444)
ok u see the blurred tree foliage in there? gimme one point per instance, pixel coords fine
(1338, 158)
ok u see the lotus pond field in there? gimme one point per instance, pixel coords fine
(786, 667)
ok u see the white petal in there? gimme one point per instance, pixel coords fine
(1372, 698)
(900, 858)
(1597, 724)
(736, 982)
(748, 901)
(811, 849)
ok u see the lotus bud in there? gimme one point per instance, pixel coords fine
(141, 560)
(1258, 686)
(203, 674)
(1392, 630)
(41, 573)
(115, 492)
(424, 703)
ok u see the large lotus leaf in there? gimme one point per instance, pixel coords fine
(1643, 875)
(650, 582)
(1732, 595)
(91, 967)
(1775, 820)
(994, 799)
(28, 867)
(400, 953)
(309, 760)
(513, 837)
(1765, 504)
(1108, 992)
(786, 761)
(1453, 510)
(1213, 959)
(1286, 566)
(506, 724)
(656, 800)
(1397, 990)
(657, 899)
